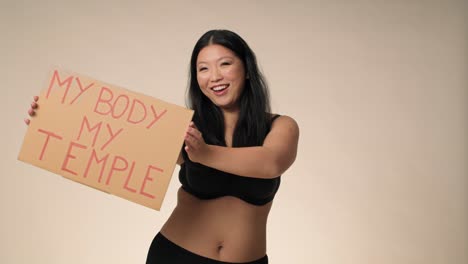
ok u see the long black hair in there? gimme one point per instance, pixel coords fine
(254, 118)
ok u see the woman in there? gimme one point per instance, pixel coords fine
(234, 153)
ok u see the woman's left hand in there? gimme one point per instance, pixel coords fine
(195, 145)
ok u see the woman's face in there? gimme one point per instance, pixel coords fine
(221, 76)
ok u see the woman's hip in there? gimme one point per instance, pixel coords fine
(163, 250)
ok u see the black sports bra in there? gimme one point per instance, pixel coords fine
(208, 183)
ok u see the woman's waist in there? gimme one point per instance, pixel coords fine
(225, 225)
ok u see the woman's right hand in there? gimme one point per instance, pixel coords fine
(32, 110)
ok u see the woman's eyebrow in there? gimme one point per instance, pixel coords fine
(224, 57)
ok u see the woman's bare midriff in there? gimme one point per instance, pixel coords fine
(226, 228)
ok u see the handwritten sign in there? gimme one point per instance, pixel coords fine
(106, 137)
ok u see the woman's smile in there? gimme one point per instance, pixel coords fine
(221, 76)
(220, 90)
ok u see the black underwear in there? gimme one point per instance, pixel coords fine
(164, 251)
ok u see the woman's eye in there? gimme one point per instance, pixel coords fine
(202, 69)
(225, 63)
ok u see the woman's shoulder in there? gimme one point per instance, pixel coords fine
(283, 135)
(283, 121)
(284, 118)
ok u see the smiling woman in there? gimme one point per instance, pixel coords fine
(234, 153)
(221, 76)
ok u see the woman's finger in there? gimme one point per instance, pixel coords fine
(192, 124)
(34, 105)
(194, 133)
(31, 111)
(199, 134)
(193, 141)
(26, 121)
(188, 139)
(188, 146)
(36, 98)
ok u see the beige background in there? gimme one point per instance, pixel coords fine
(379, 89)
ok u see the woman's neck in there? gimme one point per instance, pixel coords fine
(230, 119)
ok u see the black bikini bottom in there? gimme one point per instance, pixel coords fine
(164, 251)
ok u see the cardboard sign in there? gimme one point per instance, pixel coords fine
(106, 137)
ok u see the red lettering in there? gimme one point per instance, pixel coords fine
(101, 101)
(70, 156)
(118, 108)
(148, 178)
(132, 109)
(156, 116)
(114, 108)
(46, 143)
(129, 176)
(98, 161)
(81, 89)
(90, 129)
(115, 168)
(112, 136)
(56, 78)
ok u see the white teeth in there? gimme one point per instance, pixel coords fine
(219, 88)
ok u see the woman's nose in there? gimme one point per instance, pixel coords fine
(216, 75)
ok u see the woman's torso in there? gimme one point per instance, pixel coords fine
(226, 228)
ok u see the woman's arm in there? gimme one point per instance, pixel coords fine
(268, 161)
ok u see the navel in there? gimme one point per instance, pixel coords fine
(220, 247)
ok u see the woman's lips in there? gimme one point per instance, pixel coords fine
(220, 89)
